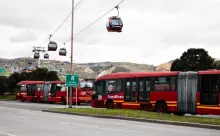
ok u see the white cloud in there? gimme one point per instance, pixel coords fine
(154, 31)
(23, 36)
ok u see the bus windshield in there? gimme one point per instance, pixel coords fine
(86, 84)
(99, 87)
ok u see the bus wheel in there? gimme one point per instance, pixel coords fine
(38, 99)
(109, 104)
(63, 100)
(161, 106)
(22, 99)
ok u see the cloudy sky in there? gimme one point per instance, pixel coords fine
(155, 31)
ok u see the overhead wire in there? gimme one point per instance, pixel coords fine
(79, 5)
(81, 1)
(94, 22)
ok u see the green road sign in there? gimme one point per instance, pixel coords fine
(72, 80)
(2, 70)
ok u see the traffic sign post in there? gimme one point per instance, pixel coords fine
(72, 80)
(2, 70)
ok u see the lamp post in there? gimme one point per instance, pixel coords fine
(71, 57)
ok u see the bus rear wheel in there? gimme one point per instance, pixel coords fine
(63, 100)
(38, 99)
(22, 99)
(161, 106)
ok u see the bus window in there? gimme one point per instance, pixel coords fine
(86, 84)
(53, 90)
(110, 86)
(89, 84)
(23, 88)
(82, 84)
(58, 87)
(173, 83)
(63, 89)
(100, 87)
(162, 84)
(39, 87)
(119, 86)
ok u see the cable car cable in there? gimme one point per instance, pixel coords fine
(79, 5)
(64, 20)
(95, 21)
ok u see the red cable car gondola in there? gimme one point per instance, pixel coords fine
(52, 46)
(46, 56)
(36, 55)
(62, 52)
(114, 23)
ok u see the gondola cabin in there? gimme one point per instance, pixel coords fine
(114, 24)
(46, 56)
(36, 55)
(52, 46)
(62, 52)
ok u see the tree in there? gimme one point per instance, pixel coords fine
(216, 64)
(193, 60)
(3, 85)
(12, 81)
(176, 65)
(39, 74)
(52, 76)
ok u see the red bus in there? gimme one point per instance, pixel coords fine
(171, 92)
(86, 91)
(29, 90)
(52, 92)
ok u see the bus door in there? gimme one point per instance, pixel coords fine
(53, 90)
(46, 91)
(31, 89)
(144, 89)
(130, 90)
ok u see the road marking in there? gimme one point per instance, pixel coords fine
(7, 134)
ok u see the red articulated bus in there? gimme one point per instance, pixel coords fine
(29, 90)
(51, 91)
(170, 92)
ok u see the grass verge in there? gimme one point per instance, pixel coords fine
(7, 97)
(140, 114)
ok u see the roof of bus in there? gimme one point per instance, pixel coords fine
(57, 82)
(209, 72)
(39, 82)
(30, 82)
(137, 74)
(150, 74)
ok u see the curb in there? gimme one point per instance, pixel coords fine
(216, 127)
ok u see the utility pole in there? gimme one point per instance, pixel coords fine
(71, 57)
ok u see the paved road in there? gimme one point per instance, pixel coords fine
(23, 122)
